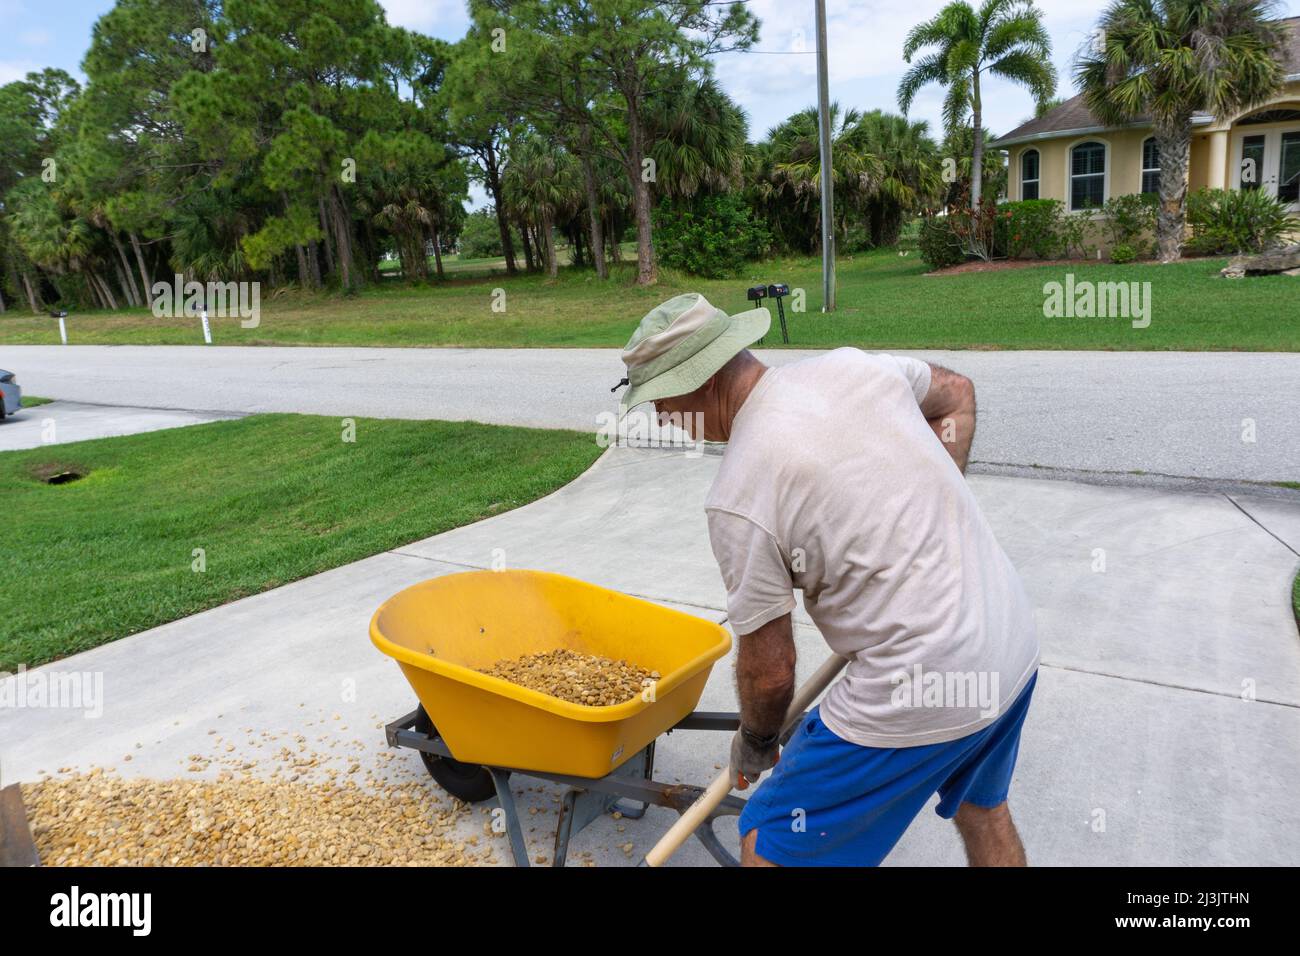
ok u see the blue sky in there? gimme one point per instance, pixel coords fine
(865, 44)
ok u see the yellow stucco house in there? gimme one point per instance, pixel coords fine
(1066, 154)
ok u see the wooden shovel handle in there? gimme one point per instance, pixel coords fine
(717, 791)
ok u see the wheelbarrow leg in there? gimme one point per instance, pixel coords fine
(647, 772)
(581, 806)
(506, 801)
(578, 809)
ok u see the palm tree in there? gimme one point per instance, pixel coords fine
(911, 175)
(409, 219)
(1173, 58)
(790, 175)
(54, 238)
(541, 181)
(1004, 38)
(206, 229)
(1045, 107)
(698, 135)
(993, 170)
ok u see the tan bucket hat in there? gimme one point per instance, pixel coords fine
(681, 343)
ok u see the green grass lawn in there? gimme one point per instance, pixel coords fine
(31, 401)
(1295, 598)
(885, 301)
(270, 499)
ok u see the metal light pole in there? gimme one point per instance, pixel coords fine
(828, 179)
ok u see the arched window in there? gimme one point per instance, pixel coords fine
(1087, 176)
(1029, 174)
(1150, 166)
(1270, 116)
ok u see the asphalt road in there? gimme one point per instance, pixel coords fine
(1206, 415)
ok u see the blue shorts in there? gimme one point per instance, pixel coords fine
(829, 802)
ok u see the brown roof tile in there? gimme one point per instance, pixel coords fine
(1291, 59)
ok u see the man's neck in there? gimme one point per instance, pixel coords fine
(737, 395)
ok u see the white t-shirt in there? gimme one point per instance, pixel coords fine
(833, 483)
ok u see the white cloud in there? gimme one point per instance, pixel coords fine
(425, 15)
(865, 57)
(11, 70)
(37, 37)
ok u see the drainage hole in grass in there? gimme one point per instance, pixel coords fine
(58, 473)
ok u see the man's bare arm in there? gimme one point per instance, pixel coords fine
(949, 407)
(765, 683)
(765, 676)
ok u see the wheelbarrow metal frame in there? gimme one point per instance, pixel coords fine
(587, 799)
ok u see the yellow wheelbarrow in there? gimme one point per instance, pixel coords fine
(473, 730)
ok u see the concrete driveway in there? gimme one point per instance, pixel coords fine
(1165, 729)
(61, 422)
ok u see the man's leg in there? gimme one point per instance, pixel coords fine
(748, 855)
(990, 835)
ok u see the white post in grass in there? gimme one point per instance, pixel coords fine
(63, 331)
(207, 329)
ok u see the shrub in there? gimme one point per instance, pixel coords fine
(1035, 226)
(983, 232)
(1074, 236)
(938, 244)
(709, 236)
(979, 233)
(856, 238)
(909, 233)
(1122, 253)
(1236, 221)
(480, 236)
(1131, 220)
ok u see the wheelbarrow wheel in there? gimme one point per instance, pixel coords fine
(470, 782)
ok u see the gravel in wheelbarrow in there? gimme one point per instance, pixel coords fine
(586, 679)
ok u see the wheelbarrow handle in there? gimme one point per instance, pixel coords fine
(722, 785)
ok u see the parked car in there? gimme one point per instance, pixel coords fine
(11, 394)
